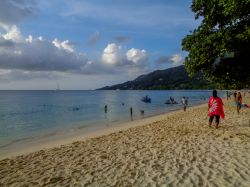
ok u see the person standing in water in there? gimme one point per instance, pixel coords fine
(105, 108)
(215, 109)
(131, 113)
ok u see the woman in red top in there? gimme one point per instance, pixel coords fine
(215, 109)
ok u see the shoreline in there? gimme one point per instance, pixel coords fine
(57, 139)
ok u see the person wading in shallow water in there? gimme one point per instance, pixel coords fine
(215, 109)
(131, 112)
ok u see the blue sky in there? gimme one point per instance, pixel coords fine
(86, 44)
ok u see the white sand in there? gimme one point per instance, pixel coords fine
(179, 149)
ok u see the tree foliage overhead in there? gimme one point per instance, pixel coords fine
(219, 47)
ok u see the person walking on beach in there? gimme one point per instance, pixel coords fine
(184, 103)
(228, 94)
(215, 109)
(238, 101)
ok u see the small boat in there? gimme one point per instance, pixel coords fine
(171, 101)
(146, 99)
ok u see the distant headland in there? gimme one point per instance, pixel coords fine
(172, 78)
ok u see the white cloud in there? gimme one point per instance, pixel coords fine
(137, 56)
(29, 39)
(131, 63)
(13, 33)
(176, 60)
(26, 58)
(66, 45)
(173, 60)
(112, 54)
(37, 54)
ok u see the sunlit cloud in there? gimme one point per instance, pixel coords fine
(176, 60)
(38, 54)
(66, 45)
(13, 33)
(137, 56)
(112, 54)
(29, 57)
(173, 60)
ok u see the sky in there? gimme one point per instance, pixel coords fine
(88, 44)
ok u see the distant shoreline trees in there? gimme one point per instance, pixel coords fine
(220, 46)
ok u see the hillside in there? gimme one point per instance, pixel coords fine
(172, 78)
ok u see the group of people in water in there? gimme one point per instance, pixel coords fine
(171, 100)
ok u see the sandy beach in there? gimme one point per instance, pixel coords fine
(175, 149)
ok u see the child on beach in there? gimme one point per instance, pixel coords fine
(215, 109)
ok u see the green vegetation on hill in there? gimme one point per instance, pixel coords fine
(172, 78)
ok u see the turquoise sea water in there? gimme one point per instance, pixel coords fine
(25, 114)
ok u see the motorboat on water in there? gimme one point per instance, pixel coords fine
(146, 99)
(171, 101)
